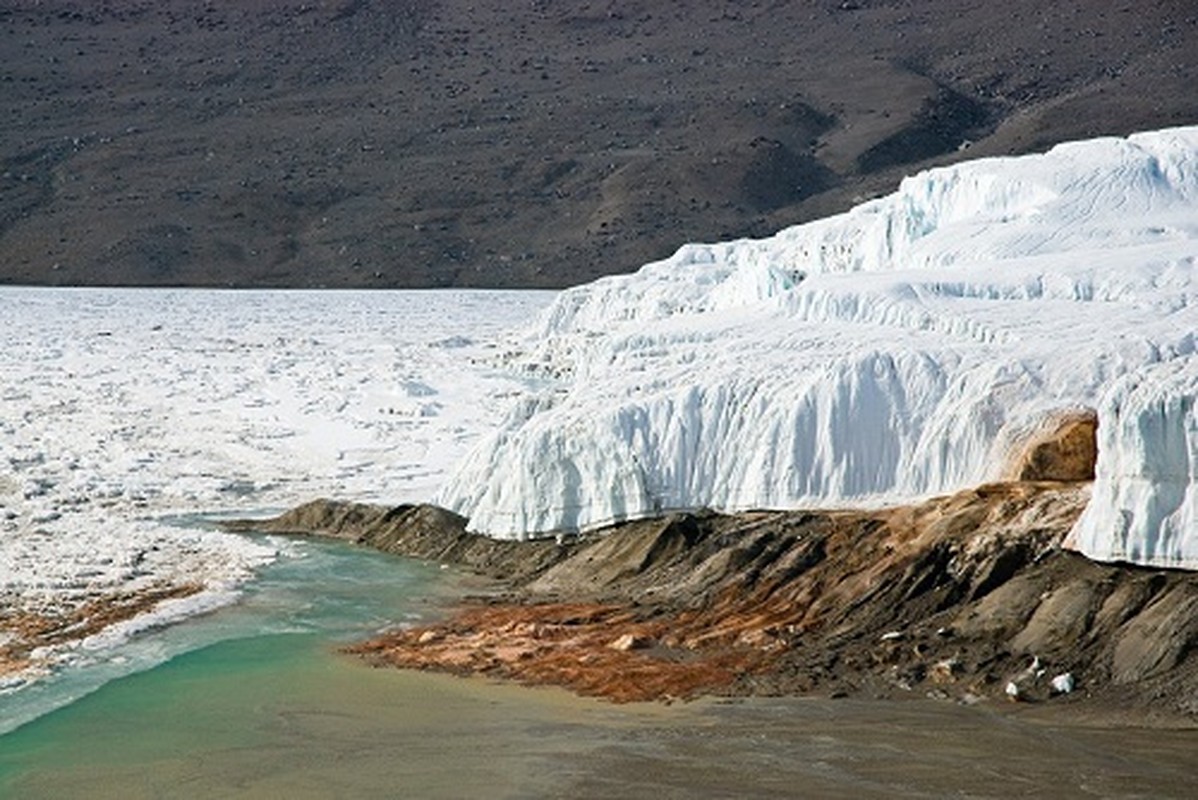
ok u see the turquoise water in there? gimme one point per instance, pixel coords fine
(315, 587)
(281, 715)
(183, 680)
(254, 701)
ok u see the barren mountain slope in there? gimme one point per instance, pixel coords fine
(375, 143)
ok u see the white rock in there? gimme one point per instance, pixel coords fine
(1063, 683)
(630, 641)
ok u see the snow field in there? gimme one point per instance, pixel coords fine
(121, 409)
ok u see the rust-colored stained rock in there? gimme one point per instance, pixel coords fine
(796, 583)
(630, 641)
(23, 632)
(1066, 449)
(775, 602)
(562, 644)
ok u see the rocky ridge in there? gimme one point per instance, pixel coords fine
(968, 597)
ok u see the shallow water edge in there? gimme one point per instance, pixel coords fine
(284, 715)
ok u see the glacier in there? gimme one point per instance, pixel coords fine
(902, 349)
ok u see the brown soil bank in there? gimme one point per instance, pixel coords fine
(384, 143)
(967, 597)
(23, 633)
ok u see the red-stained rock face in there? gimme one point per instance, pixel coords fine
(1066, 449)
(25, 632)
(954, 597)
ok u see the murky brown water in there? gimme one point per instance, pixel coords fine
(281, 716)
(852, 749)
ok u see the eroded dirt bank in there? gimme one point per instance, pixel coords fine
(967, 597)
(25, 634)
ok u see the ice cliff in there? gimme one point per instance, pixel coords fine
(902, 349)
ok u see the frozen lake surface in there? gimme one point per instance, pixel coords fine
(121, 410)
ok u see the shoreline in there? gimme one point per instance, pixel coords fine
(326, 725)
(967, 598)
(30, 637)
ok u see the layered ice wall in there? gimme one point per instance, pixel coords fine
(902, 349)
(1144, 507)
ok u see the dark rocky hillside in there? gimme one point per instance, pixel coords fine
(968, 597)
(384, 143)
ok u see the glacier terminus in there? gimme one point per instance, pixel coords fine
(902, 349)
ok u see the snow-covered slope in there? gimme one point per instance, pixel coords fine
(902, 349)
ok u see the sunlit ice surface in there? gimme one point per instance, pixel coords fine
(124, 410)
